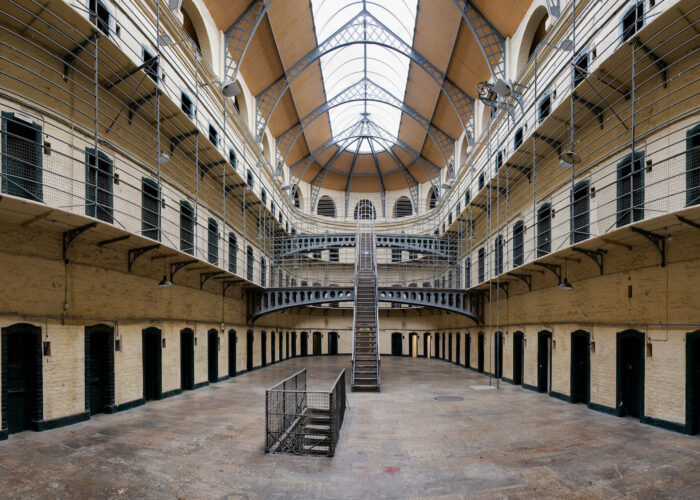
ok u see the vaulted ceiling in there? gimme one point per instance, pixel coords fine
(371, 161)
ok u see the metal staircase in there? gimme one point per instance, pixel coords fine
(365, 349)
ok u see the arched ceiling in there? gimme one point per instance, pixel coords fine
(394, 125)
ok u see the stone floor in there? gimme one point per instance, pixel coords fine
(399, 443)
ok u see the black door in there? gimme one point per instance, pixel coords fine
(294, 344)
(249, 351)
(426, 342)
(467, 350)
(232, 340)
(518, 358)
(332, 343)
(213, 355)
(304, 344)
(272, 347)
(437, 345)
(458, 351)
(449, 351)
(630, 373)
(186, 359)
(580, 372)
(287, 351)
(480, 354)
(443, 346)
(317, 343)
(279, 341)
(498, 347)
(99, 368)
(543, 361)
(396, 344)
(151, 364)
(263, 348)
(692, 406)
(21, 377)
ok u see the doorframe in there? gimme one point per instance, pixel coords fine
(618, 383)
(548, 334)
(38, 416)
(109, 396)
(148, 331)
(232, 334)
(185, 331)
(690, 426)
(210, 332)
(587, 336)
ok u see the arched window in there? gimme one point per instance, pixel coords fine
(297, 196)
(249, 263)
(403, 207)
(580, 210)
(365, 210)
(482, 265)
(213, 242)
(267, 150)
(630, 189)
(150, 209)
(544, 230)
(326, 206)
(499, 255)
(432, 198)
(98, 185)
(232, 253)
(263, 272)
(518, 243)
(193, 24)
(186, 227)
(535, 31)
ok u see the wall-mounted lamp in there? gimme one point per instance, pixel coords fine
(163, 343)
(592, 346)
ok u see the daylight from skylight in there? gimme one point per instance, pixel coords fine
(348, 65)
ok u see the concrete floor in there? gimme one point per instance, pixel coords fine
(396, 444)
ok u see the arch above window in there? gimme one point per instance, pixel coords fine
(326, 206)
(364, 209)
(403, 207)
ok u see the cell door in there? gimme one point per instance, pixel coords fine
(279, 341)
(232, 340)
(97, 368)
(304, 344)
(151, 342)
(332, 343)
(213, 355)
(249, 351)
(272, 347)
(426, 345)
(467, 350)
(692, 410)
(449, 350)
(580, 372)
(480, 354)
(518, 358)
(263, 348)
(544, 347)
(458, 351)
(630, 371)
(22, 387)
(294, 344)
(498, 347)
(317, 344)
(396, 344)
(186, 359)
(437, 345)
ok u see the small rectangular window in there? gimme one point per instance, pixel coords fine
(213, 135)
(499, 160)
(333, 255)
(481, 181)
(22, 173)
(232, 253)
(232, 158)
(467, 197)
(263, 196)
(632, 20)
(150, 64)
(249, 179)
(100, 16)
(213, 242)
(186, 105)
(581, 69)
(518, 138)
(545, 107)
(482, 265)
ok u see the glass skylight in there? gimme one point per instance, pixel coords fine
(347, 65)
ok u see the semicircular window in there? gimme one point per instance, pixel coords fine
(403, 207)
(326, 206)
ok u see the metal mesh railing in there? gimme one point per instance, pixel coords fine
(303, 422)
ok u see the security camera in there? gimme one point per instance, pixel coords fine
(230, 89)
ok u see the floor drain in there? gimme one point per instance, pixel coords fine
(449, 398)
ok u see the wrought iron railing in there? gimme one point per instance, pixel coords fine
(303, 422)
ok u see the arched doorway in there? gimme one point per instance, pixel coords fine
(99, 368)
(580, 366)
(232, 341)
(213, 355)
(413, 344)
(480, 353)
(249, 350)
(304, 344)
(263, 348)
(518, 352)
(544, 361)
(498, 354)
(152, 363)
(692, 382)
(333, 343)
(630, 373)
(396, 344)
(317, 343)
(22, 387)
(186, 359)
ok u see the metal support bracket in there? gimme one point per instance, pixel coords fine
(554, 268)
(596, 110)
(231, 187)
(134, 105)
(657, 240)
(501, 190)
(135, 253)
(525, 278)
(178, 139)
(176, 266)
(552, 142)
(504, 286)
(70, 236)
(114, 240)
(204, 168)
(595, 255)
(227, 284)
(204, 277)
(688, 221)
(659, 62)
(526, 171)
(485, 208)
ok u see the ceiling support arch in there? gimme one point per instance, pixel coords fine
(238, 36)
(364, 28)
(490, 40)
(364, 90)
